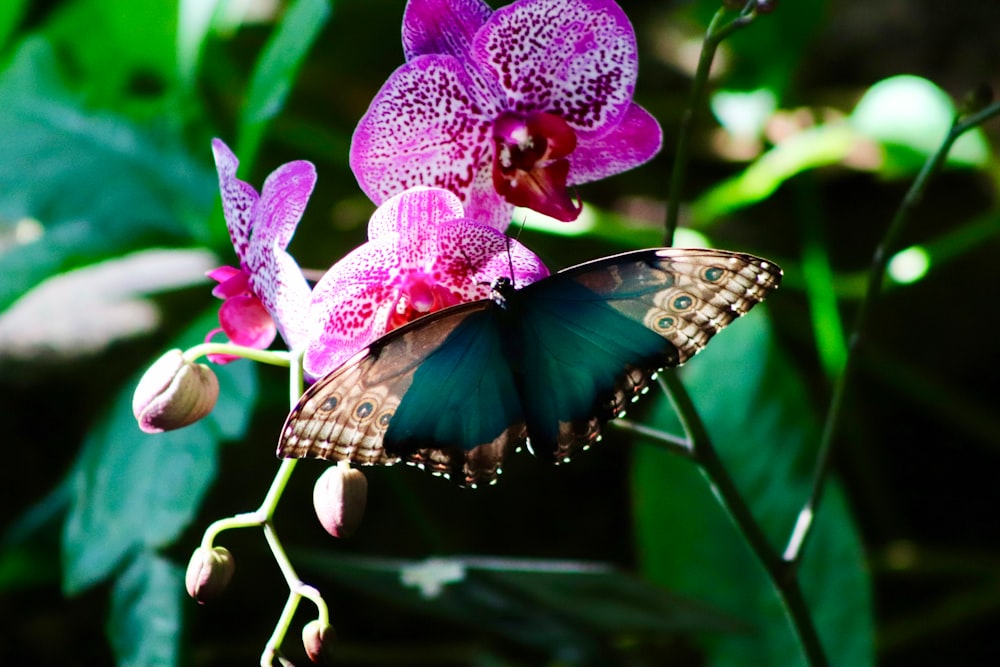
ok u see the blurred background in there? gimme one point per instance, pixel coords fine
(820, 115)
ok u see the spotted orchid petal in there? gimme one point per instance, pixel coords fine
(423, 255)
(261, 226)
(430, 125)
(445, 27)
(434, 120)
(573, 58)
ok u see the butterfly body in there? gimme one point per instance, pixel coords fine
(547, 364)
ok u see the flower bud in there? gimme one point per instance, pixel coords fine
(174, 392)
(209, 572)
(339, 499)
(318, 640)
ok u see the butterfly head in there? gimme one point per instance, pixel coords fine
(500, 290)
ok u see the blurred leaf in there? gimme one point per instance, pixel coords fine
(808, 149)
(126, 58)
(545, 604)
(11, 12)
(754, 57)
(98, 185)
(144, 625)
(910, 117)
(133, 490)
(276, 69)
(29, 546)
(756, 410)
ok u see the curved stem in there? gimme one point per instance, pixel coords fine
(782, 577)
(876, 276)
(716, 33)
(272, 357)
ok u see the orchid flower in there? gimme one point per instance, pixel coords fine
(423, 254)
(268, 292)
(507, 107)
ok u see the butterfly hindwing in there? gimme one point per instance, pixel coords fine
(358, 412)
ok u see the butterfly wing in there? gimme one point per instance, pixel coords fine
(594, 334)
(437, 393)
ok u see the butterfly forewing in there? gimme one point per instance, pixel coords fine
(686, 295)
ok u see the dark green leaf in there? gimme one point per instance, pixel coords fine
(756, 410)
(98, 185)
(277, 68)
(133, 490)
(145, 621)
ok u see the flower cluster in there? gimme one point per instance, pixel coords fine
(492, 109)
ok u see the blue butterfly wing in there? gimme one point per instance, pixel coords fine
(592, 336)
(454, 391)
(437, 393)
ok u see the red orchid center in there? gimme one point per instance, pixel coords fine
(530, 164)
(417, 295)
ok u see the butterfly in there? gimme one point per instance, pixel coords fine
(545, 365)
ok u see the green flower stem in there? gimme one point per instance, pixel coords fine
(673, 443)
(782, 577)
(271, 357)
(718, 30)
(876, 276)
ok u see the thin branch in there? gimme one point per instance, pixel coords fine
(717, 31)
(876, 276)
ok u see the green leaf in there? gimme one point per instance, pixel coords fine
(910, 117)
(555, 605)
(11, 13)
(144, 625)
(126, 58)
(276, 70)
(98, 185)
(755, 408)
(132, 490)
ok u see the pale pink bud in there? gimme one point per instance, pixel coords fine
(209, 572)
(174, 392)
(318, 640)
(339, 499)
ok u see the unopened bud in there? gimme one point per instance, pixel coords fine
(209, 572)
(318, 641)
(174, 392)
(339, 498)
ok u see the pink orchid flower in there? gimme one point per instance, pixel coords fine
(507, 107)
(268, 292)
(423, 254)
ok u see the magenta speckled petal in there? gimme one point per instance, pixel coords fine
(446, 27)
(274, 275)
(470, 256)
(431, 206)
(350, 304)
(428, 125)
(238, 199)
(574, 58)
(637, 139)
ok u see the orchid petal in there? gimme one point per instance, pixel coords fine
(350, 304)
(238, 199)
(274, 275)
(446, 27)
(246, 322)
(637, 139)
(470, 256)
(573, 58)
(431, 206)
(230, 284)
(428, 125)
